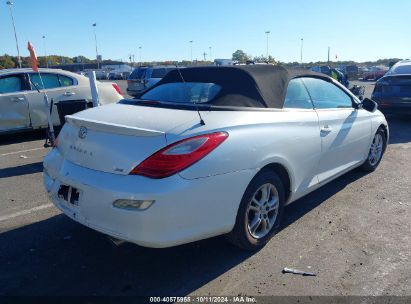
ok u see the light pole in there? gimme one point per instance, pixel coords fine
(301, 53)
(267, 33)
(211, 58)
(10, 4)
(191, 50)
(95, 39)
(45, 51)
(328, 60)
(139, 54)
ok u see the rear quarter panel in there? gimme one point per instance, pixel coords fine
(107, 93)
(378, 119)
(256, 139)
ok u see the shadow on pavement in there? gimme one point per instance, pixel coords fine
(21, 170)
(15, 138)
(60, 257)
(309, 202)
(400, 128)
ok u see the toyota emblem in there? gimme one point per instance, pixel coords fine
(82, 133)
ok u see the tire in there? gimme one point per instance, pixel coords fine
(256, 223)
(377, 149)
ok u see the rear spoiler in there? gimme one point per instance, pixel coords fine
(111, 127)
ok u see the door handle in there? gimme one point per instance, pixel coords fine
(326, 129)
(17, 99)
(69, 93)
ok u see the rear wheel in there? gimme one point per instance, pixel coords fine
(260, 212)
(376, 152)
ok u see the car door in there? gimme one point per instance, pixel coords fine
(345, 131)
(58, 87)
(14, 107)
(304, 130)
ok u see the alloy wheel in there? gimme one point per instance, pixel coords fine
(262, 211)
(376, 149)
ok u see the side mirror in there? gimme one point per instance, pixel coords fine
(369, 105)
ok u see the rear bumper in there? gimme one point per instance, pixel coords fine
(394, 105)
(183, 211)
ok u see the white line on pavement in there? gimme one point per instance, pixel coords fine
(22, 151)
(25, 212)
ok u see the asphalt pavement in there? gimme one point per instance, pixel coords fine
(354, 233)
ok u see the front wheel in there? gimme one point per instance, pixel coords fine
(377, 149)
(260, 211)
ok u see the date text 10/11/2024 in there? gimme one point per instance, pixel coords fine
(203, 299)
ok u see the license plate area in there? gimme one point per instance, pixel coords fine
(69, 194)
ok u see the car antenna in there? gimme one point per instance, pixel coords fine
(195, 103)
(34, 85)
(46, 144)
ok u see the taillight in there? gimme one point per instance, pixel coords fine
(115, 86)
(179, 156)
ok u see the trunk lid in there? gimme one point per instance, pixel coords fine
(116, 138)
(107, 93)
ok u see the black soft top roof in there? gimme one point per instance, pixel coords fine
(260, 86)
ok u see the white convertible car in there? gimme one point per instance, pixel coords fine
(22, 106)
(210, 151)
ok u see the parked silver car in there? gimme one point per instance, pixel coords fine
(221, 151)
(145, 77)
(22, 106)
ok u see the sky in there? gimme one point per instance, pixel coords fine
(359, 30)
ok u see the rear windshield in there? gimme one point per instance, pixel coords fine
(137, 74)
(402, 69)
(183, 92)
(158, 73)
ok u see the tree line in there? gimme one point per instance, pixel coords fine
(9, 62)
(241, 57)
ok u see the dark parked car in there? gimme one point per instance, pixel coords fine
(134, 81)
(321, 69)
(116, 75)
(145, 77)
(333, 73)
(350, 70)
(393, 91)
(374, 73)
